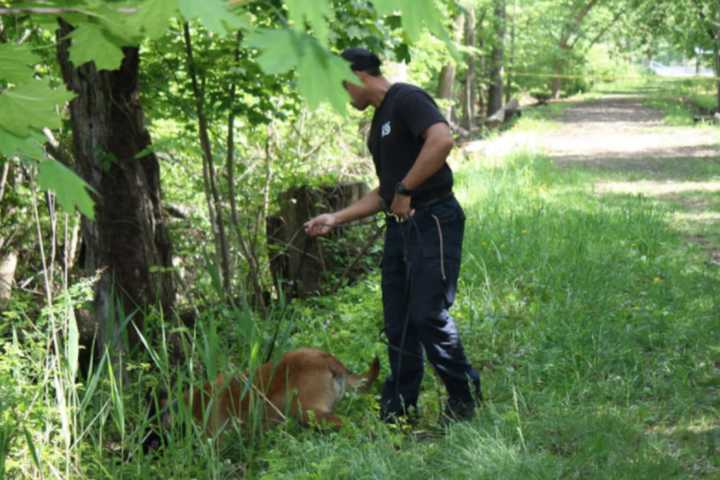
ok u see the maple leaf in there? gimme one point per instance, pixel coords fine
(70, 190)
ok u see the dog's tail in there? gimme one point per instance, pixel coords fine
(365, 381)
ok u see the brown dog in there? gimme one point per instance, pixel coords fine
(304, 384)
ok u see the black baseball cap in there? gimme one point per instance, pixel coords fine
(361, 59)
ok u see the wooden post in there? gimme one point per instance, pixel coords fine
(298, 261)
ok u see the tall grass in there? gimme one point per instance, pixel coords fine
(57, 421)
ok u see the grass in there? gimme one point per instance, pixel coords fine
(681, 100)
(596, 328)
(594, 324)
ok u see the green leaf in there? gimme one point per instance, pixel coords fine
(317, 13)
(214, 15)
(320, 77)
(71, 190)
(30, 107)
(416, 15)
(31, 447)
(91, 44)
(16, 63)
(320, 73)
(276, 57)
(27, 148)
(154, 16)
(114, 21)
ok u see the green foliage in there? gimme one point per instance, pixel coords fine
(29, 107)
(70, 189)
(28, 147)
(25, 110)
(214, 15)
(154, 16)
(317, 15)
(17, 62)
(101, 30)
(681, 101)
(308, 54)
(91, 43)
(416, 15)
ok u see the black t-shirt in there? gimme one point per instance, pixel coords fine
(395, 140)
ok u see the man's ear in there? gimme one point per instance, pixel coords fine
(363, 78)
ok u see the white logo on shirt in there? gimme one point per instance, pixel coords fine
(386, 129)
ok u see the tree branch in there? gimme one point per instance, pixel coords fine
(3, 179)
(59, 11)
(213, 197)
(575, 25)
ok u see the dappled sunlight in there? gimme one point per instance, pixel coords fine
(700, 217)
(629, 144)
(656, 188)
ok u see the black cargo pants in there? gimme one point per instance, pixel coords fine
(421, 264)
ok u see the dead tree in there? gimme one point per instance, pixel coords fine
(127, 244)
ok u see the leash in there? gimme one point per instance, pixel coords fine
(409, 267)
(408, 290)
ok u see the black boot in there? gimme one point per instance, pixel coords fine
(457, 411)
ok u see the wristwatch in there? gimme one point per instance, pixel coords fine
(401, 189)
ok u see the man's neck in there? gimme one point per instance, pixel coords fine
(379, 89)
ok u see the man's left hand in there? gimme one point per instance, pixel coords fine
(400, 207)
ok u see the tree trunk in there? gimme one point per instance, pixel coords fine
(127, 245)
(573, 28)
(447, 80)
(297, 261)
(556, 83)
(511, 63)
(446, 84)
(716, 54)
(471, 75)
(495, 93)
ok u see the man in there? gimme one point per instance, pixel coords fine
(410, 141)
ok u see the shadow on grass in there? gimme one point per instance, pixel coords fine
(668, 164)
(590, 315)
(593, 324)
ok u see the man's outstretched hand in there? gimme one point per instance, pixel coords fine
(321, 225)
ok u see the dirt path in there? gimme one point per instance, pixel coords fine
(634, 152)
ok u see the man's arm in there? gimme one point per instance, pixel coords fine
(437, 146)
(438, 143)
(368, 205)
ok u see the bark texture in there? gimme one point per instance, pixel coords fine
(496, 89)
(127, 244)
(470, 97)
